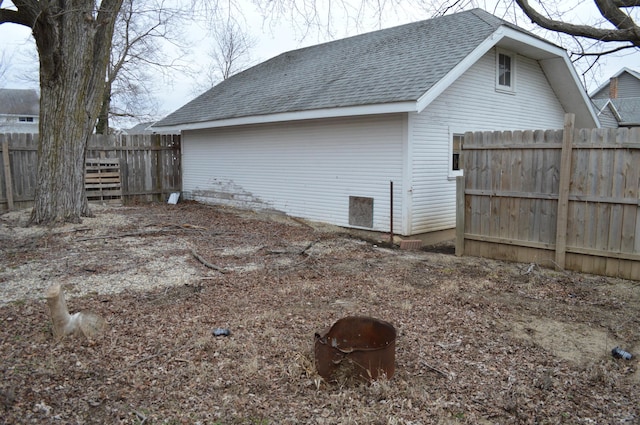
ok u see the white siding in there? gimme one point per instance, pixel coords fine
(306, 169)
(607, 118)
(628, 86)
(12, 124)
(470, 104)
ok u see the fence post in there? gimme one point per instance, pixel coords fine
(460, 216)
(7, 172)
(563, 190)
(157, 144)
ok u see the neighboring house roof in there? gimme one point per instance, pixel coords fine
(142, 128)
(400, 69)
(605, 85)
(625, 110)
(19, 102)
(624, 107)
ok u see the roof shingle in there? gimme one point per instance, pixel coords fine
(393, 65)
(19, 102)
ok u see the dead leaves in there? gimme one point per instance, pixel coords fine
(459, 359)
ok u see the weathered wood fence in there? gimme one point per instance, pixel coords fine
(149, 167)
(565, 198)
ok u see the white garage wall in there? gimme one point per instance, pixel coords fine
(306, 169)
(471, 104)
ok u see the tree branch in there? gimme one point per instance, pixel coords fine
(613, 14)
(630, 33)
(26, 13)
(626, 3)
(606, 52)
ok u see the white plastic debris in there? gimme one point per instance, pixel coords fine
(173, 198)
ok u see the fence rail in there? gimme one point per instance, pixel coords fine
(565, 198)
(149, 166)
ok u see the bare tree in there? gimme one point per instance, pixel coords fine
(231, 49)
(137, 52)
(73, 40)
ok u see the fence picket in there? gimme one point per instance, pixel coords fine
(519, 216)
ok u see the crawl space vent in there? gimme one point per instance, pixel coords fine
(360, 211)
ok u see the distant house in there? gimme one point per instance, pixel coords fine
(147, 128)
(321, 132)
(618, 100)
(19, 111)
(142, 128)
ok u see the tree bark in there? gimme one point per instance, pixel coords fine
(102, 127)
(626, 29)
(73, 40)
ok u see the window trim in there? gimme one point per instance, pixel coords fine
(511, 89)
(452, 174)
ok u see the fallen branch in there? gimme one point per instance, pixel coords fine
(301, 252)
(304, 251)
(206, 263)
(302, 222)
(445, 374)
(148, 232)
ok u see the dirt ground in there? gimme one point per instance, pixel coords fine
(478, 341)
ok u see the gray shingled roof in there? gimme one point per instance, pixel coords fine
(19, 102)
(392, 65)
(141, 128)
(627, 108)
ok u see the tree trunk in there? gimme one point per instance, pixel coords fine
(65, 127)
(103, 118)
(73, 46)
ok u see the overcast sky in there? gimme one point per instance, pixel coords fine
(273, 38)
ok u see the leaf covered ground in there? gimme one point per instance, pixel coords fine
(478, 341)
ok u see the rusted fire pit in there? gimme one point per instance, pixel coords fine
(356, 346)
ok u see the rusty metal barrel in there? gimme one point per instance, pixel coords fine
(360, 347)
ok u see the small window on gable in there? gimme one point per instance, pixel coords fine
(505, 67)
(455, 157)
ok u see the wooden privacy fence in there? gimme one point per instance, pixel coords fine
(565, 198)
(148, 167)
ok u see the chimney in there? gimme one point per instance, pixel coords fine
(613, 88)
